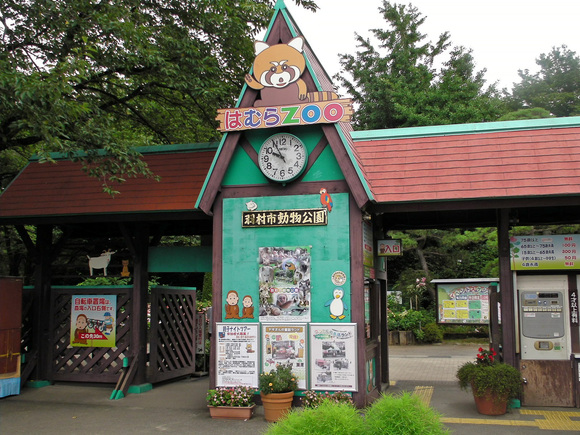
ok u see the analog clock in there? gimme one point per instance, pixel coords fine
(282, 157)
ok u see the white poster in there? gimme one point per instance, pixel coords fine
(333, 364)
(285, 344)
(237, 354)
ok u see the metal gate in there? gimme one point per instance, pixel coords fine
(172, 334)
(87, 364)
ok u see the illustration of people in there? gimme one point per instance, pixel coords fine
(81, 328)
(248, 309)
(232, 309)
(108, 323)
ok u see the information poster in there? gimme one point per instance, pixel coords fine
(237, 354)
(284, 279)
(93, 320)
(200, 333)
(559, 252)
(463, 302)
(333, 364)
(285, 344)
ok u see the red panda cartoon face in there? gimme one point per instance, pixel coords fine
(279, 65)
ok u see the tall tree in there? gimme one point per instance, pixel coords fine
(397, 85)
(555, 87)
(111, 74)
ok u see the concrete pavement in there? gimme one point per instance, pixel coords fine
(179, 407)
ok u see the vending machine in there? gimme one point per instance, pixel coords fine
(543, 314)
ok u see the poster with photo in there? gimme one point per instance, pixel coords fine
(285, 344)
(237, 354)
(333, 364)
(93, 321)
(284, 280)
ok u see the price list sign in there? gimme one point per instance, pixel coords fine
(557, 252)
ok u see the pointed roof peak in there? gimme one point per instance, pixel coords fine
(280, 4)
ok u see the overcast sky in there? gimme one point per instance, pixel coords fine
(505, 35)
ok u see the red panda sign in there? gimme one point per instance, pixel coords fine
(284, 98)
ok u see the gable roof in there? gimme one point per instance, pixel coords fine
(63, 189)
(499, 160)
(282, 29)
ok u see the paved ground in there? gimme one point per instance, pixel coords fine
(179, 407)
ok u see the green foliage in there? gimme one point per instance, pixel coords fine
(404, 414)
(206, 291)
(535, 113)
(104, 280)
(410, 320)
(396, 84)
(328, 418)
(432, 333)
(313, 399)
(278, 380)
(76, 77)
(555, 87)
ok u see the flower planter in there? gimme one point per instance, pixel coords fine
(490, 404)
(231, 412)
(276, 405)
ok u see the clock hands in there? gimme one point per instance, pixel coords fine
(278, 154)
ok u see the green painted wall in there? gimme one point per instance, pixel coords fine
(243, 171)
(180, 259)
(330, 250)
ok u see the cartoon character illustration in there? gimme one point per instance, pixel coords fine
(81, 328)
(101, 262)
(249, 348)
(277, 75)
(108, 323)
(337, 305)
(248, 309)
(232, 309)
(125, 272)
(325, 199)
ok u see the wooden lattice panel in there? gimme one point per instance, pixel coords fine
(87, 364)
(172, 333)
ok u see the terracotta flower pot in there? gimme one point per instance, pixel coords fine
(490, 404)
(231, 412)
(276, 405)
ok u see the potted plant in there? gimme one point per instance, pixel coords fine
(277, 391)
(234, 403)
(493, 383)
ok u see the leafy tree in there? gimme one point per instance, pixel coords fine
(108, 75)
(556, 87)
(535, 113)
(397, 85)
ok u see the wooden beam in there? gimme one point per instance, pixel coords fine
(506, 289)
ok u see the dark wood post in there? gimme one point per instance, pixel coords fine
(41, 310)
(506, 289)
(140, 297)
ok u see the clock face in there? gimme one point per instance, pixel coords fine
(282, 157)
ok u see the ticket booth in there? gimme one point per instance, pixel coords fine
(547, 318)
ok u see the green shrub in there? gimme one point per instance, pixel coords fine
(313, 399)
(432, 333)
(328, 418)
(403, 414)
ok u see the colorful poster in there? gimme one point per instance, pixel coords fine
(333, 364)
(285, 344)
(558, 252)
(463, 302)
(93, 321)
(237, 354)
(284, 280)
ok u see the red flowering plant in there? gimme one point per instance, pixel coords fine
(313, 399)
(487, 374)
(233, 396)
(486, 357)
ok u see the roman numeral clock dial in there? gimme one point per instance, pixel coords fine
(282, 157)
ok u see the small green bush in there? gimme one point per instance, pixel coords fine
(432, 333)
(403, 414)
(328, 418)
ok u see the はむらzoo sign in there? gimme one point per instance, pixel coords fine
(284, 97)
